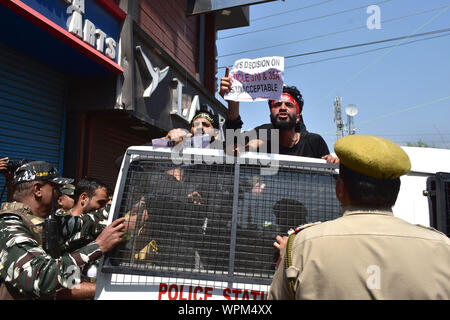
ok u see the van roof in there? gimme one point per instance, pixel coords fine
(428, 160)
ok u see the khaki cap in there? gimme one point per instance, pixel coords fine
(372, 156)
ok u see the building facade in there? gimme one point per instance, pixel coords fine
(82, 80)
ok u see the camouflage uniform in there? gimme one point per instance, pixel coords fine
(26, 269)
(68, 190)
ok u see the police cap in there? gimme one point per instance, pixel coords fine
(372, 156)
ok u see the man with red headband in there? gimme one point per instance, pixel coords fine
(285, 115)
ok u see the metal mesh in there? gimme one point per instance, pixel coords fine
(189, 222)
(274, 204)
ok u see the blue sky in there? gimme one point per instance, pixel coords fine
(402, 92)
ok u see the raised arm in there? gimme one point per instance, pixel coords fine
(225, 87)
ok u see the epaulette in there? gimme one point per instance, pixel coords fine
(303, 226)
(432, 229)
(16, 208)
(288, 255)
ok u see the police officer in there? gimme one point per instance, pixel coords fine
(367, 253)
(26, 270)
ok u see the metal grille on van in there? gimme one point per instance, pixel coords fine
(438, 191)
(214, 221)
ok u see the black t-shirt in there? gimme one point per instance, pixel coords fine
(310, 144)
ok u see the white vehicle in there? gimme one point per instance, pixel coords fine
(205, 223)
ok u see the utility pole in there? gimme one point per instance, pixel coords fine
(341, 128)
(338, 118)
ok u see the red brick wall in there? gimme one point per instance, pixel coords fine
(166, 22)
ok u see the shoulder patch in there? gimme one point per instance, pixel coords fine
(432, 229)
(303, 226)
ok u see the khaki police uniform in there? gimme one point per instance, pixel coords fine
(366, 253)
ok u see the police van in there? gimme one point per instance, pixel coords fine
(201, 224)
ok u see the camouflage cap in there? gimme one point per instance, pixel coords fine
(68, 189)
(39, 171)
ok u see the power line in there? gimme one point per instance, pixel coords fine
(397, 134)
(386, 115)
(292, 10)
(425, 104)
(332, 33)
(300, 21)
(367, 43)
(364, 52)
(360, 45)
(439, 133)
(378, 59)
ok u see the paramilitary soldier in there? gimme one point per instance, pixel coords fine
(26, 270)
(66, 200)
(367, 253)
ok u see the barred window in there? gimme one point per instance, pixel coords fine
(214, 221)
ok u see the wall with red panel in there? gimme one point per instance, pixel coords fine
(166, 22)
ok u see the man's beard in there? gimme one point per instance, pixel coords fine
(287, 124)
(89, 207)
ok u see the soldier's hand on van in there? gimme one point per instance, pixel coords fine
(111, 235)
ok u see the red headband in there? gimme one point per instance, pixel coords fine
(287, 97)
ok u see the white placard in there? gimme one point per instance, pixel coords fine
(256, 79)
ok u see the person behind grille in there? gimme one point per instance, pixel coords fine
(367, 253)
(26, 270)
(203, 122)
(290, 213)
(286, 116)
(175, 214)
(175, 202)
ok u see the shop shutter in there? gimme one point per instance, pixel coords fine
(32, 110)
